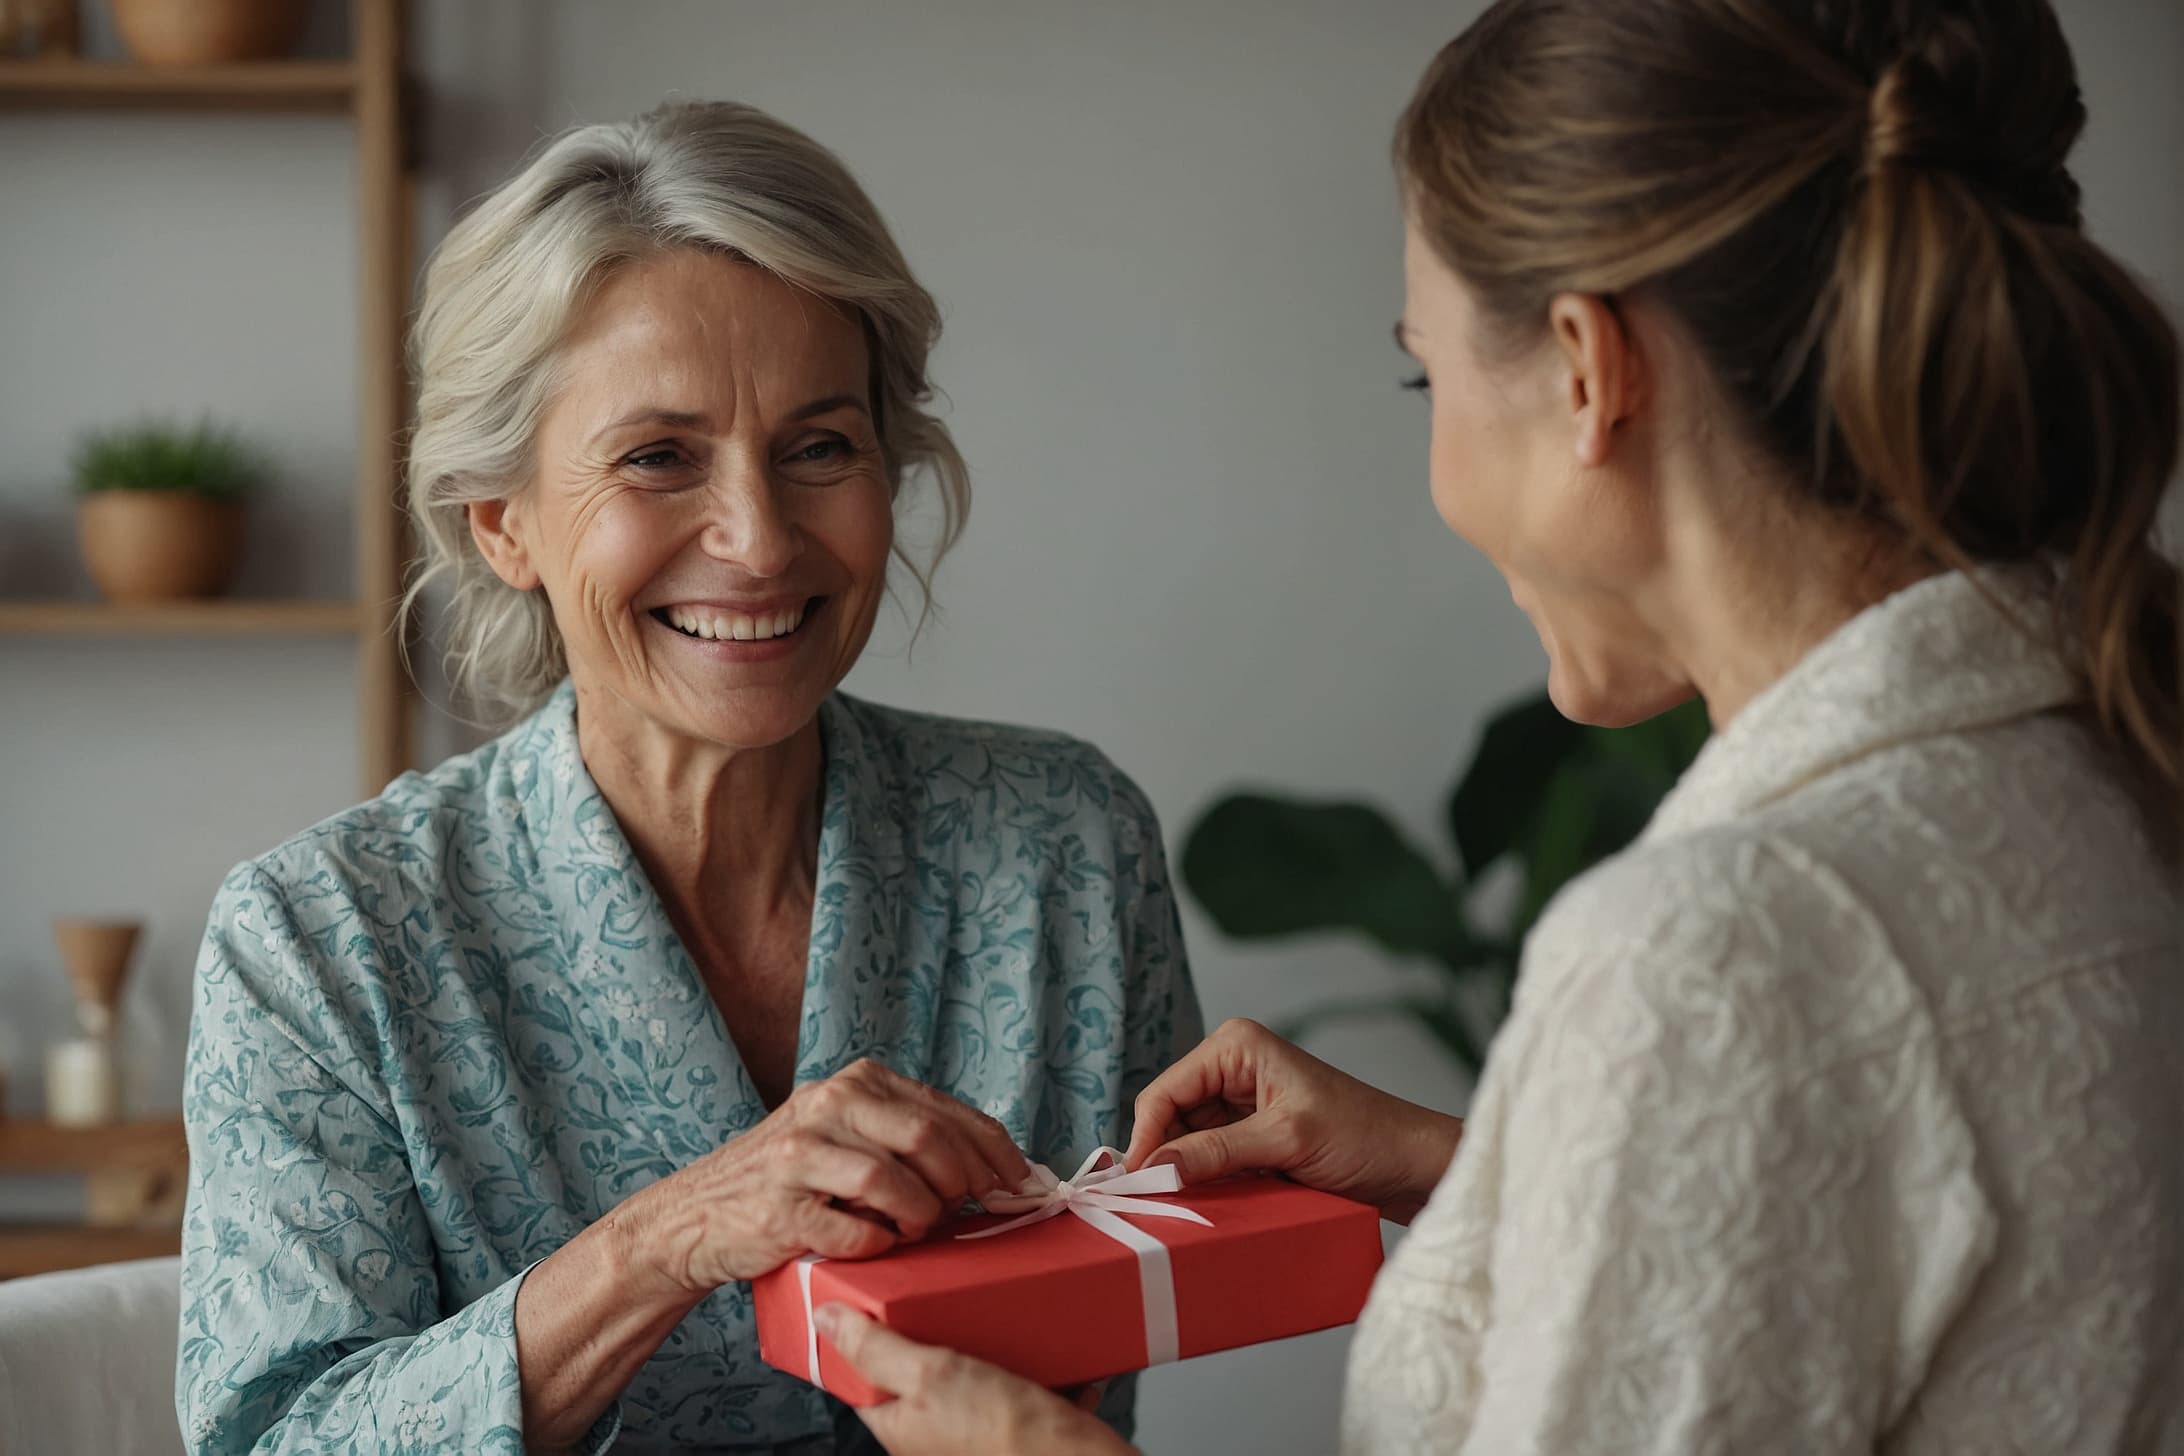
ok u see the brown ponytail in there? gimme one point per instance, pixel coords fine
(1860, 210)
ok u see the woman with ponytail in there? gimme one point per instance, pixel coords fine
(1769, 360)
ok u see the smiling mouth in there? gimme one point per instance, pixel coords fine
(712, 624)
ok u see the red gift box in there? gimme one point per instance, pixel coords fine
(1060, 1302)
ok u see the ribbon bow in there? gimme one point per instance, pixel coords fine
(1095, 1194)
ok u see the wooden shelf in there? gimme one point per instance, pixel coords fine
(29, 1145)
(35, 1248)
(113, 86)
(228, 618)
(135, 1176)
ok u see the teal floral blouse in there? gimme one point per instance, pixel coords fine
(437, 1035)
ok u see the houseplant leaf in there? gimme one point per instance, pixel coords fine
(1264, 866)
(1522, 750)
(1602, 799)
(1555, 840)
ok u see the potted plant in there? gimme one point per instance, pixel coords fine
(1545, 796)
(209, 32)
(160, 510)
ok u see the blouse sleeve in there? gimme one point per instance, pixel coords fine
(312, 1315)
(1738, 1206)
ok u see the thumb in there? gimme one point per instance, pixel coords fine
(1257, 1142)
(894, 1364)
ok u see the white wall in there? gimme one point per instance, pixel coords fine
(1166, 242)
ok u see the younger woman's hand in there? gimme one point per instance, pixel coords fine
(947, 1403)
(1244, 1099)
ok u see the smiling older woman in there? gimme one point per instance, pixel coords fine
(503, 1084)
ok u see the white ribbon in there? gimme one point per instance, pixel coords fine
(1095, 1195)
(811, 1322)
(1093, 1189)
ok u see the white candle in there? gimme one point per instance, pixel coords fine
(83, 1085)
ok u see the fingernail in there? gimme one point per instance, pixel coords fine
(828, 1317)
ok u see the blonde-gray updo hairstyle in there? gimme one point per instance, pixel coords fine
(510, 278)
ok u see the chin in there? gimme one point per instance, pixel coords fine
(738, 718)
(1605, 702)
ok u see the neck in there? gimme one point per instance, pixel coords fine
(724, 833)
(1747, 596)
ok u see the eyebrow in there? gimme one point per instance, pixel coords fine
(828, 405)
(699, 420)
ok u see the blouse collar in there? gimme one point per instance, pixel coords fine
(1947, 654)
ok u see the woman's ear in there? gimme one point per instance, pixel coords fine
(497, 527)
(1606, 374)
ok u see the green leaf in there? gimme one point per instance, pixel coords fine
(1263, 866)
(1656, 752)
(1555, 841)
(1622, 803)
(1521, 752)
(1602, 800)
(1684, 731)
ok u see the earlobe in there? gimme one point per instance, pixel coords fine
(493, 526)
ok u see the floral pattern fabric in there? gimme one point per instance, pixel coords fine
(439, 1034)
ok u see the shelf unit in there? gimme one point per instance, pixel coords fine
(104, 86)
(134, 1173)
(368, 87)
(181, 619)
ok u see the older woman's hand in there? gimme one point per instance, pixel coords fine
(845, 1168)
(947, 1403)
(1245, 1099)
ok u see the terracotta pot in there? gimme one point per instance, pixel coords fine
(209, 32)
(156, 545)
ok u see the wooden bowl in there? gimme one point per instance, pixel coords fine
(156, 545)
(209, 32)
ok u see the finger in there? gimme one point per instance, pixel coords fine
(861, 1173)
(940, 1148)
(1217, 1070)
(991, 1141)
(1197, 1119)
(1212, 1114)
(994, 1148)
(1088, 1397)
(836, 1234)
(896, 1365)
(1257, 1142)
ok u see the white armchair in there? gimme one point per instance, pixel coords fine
(87, 1361)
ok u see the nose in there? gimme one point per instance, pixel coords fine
(747, 523)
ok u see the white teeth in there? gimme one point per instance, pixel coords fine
(725, 626)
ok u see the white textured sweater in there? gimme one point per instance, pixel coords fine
(1842, 1113)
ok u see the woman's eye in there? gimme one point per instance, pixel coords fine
(1418, 382)
(820, 451)
(654, 457)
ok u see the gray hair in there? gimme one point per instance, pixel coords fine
(509, 279)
